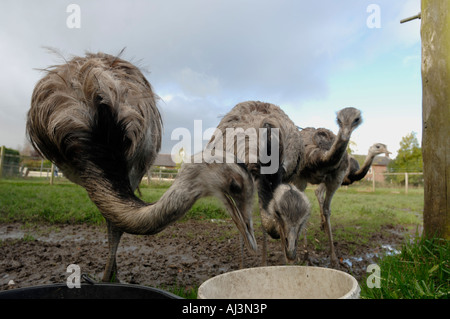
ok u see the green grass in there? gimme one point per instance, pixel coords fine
(204, 208)
(420, 271)
(37, 201)
(357, 216)
(183, 292)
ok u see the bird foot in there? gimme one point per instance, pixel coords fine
(111, 278)
(334, 261)
(323, 223)
(306, 258)
(323, 226)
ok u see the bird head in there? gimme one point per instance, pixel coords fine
(290, 209)
(379, 148)
(348, 120)
(232, 183)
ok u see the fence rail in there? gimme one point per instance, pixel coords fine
(372, 176)
(20, 166)
(160, 174)
(29, 167)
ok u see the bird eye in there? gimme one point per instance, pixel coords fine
(234, 187)
(356, 120)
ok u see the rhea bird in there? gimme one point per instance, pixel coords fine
(325, 163)
(284, 210)
(96, 118)
(356, 173)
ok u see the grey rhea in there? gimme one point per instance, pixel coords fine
(356, 173)
(96, 118)
(325, 163)
(283, 208)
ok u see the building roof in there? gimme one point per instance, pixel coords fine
(377, 161)
(381, 161)
(164, 160)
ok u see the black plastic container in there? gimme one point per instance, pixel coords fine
(88, 291)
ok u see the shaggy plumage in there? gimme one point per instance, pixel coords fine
(326, 163)
(283, 209)
(96, 118)
(356, 173)
(96, 109)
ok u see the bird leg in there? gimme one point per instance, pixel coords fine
(320, 192)
(264, 238)
(333, 258)
(325, 210)
(264, 248)
(305, 247)
(114, 235)
(241, 264)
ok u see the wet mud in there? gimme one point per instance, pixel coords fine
(183, 255)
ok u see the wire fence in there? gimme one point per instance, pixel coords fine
(395, 179)
(160, 174)
(20, 166)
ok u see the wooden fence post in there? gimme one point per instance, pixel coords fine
(435, 34)
(42, 166)
(373, 179)
(52, 174)
(2, 157)
(406, 183)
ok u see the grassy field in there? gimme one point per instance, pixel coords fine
(38, 201)
(35, 200)
(421, 270)
(357, 213)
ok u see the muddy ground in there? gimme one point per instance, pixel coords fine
(184, 255)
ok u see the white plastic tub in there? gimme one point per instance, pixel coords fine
(281, 282)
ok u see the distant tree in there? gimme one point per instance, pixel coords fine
(351, 147)
(11, 160)
(28, 150)
(409, 159)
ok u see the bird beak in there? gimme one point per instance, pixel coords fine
(345, 132)
(289, 242)
(387, 154)
(243, 222)
(290, 246)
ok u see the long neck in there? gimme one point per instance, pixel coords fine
(293, 156)
(119, 205)
(268, 222)
(334, 155)
(362, 171)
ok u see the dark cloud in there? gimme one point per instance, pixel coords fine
(204, 55)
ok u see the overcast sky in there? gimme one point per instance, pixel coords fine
(202, 57)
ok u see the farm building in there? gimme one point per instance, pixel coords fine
(379, 166)
(164, 161)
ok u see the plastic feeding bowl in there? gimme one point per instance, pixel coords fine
(281, 282)
(87, 291)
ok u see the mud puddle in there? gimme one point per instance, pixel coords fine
(185, 254)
